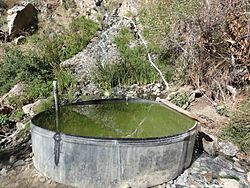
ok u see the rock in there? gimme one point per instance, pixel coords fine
(182, 179)
(28, 159)
(221, 161)
(222, 173)
(19, 163)
(210, 144)
(161, 186)
(3, 172)
(232, 90)
(22, 19)
(97, 52)
(238, 167)
(208, 176)
(30, 108)
(229, 183)
(31, 154)
(12, 159)
(248, 177)
(20, 40)
(11, 14)
(17, 90)
(228, 148)
(20, 125)
(42, 179)
(196, 94)
(5, 110)
(129, 7)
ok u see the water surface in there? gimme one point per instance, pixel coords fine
(116, 120)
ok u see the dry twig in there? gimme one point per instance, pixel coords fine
(149, 56)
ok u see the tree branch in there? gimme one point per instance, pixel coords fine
(149, 56)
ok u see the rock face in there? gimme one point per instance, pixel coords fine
(129, 7)
(17, 90)
(210, 144)
(228, 148)
(22, 20)
(100, 51)
(229, 183)
(30, 108)
(207, 171)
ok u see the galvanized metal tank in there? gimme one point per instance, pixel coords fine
(92, 162)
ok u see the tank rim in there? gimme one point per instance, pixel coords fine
(68, 137)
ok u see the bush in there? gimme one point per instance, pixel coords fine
(37, 67)
(134, 67)
(21, 66)
(66, 85)
(212, 49)
(238, 130)
(159, 16)
(3, 119)
(180, 100)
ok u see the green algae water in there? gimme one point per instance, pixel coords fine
(116, 120)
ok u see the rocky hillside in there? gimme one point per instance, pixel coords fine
(193, 53)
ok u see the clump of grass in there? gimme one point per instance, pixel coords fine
(38, 67)
(3, 20)
(159, 19)
(3, 119)
(180, 100)
(18, 65)
(158, 16)
(45, 105)
(67, 4)
(65, 45)
(238, 130)
(134, 67)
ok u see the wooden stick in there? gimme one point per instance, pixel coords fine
(182, 111)
(149, 56)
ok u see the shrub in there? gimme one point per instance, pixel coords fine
(238, 130)
(20, 66)
(180, 100)
(39, 66)
(212, 49)
(67, 84)
(134, 67)
(159, 16)
(3, 119)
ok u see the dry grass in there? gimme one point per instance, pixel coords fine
(238, 130)
(213, 48)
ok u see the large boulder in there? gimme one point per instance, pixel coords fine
(16, 91)
(31, 108)
(22, 20)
